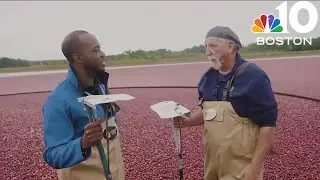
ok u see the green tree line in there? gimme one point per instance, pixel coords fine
(167, 54)
(6, 62)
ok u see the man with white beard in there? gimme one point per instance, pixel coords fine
(238, 109)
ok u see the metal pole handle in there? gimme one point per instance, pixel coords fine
(177, 139)
(103, 157)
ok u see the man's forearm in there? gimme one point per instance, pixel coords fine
(264, 145)
(65, 155)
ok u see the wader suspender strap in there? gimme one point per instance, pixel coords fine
(226, 90)
(105, 90)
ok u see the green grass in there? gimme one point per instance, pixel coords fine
(199, 58)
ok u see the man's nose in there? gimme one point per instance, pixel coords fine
(102, 54)
(208, 52)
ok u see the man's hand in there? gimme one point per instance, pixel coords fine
(181, 121)
(194, 118)
(92, 134)
(252, 173)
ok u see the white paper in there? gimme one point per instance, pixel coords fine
(94, 100)
(169, 109)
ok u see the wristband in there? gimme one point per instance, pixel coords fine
(84, 151)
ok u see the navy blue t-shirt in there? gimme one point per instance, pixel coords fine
(251, 95)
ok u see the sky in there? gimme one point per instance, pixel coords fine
(35, 30)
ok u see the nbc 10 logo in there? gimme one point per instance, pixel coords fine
(270, 24)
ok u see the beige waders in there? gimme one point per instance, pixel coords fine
(229, 141)
(91, 169)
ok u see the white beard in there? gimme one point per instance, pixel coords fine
(224, 72)
(216, 63)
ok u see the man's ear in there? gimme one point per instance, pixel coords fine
(231, 47)
(76, 58)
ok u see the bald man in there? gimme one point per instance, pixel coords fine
(237, 108)
(70, 140)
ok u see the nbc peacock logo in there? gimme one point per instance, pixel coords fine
(267, 24)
